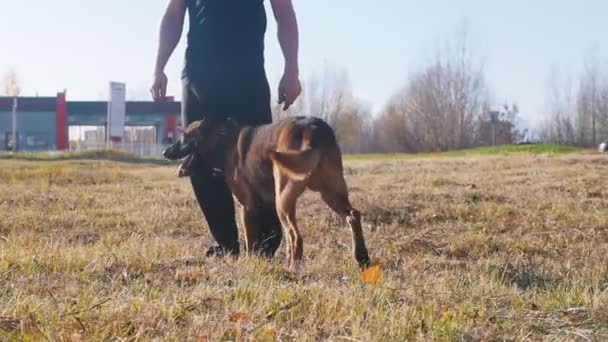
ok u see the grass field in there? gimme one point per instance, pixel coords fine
(510, 245)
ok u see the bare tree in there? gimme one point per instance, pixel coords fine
(441, 103)
(391, 130)
(500, 127)
(328, 95)
(578, 115)
(603, 110)
(588, 104)
(10, 84)
(557, 126)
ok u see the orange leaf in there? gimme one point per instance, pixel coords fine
(268, 334)
(372, 275)
(238, 317)
(189, 276)
(202, 339)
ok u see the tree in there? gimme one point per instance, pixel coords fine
(10, 84)
(591, 104)
(391, 131)
(499, 126)
(328, 95)
(557, 126)
(441, 103)
(603, 110)
(578, 115)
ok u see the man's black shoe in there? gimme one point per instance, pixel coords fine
(219, 251)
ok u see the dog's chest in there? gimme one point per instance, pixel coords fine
(254, 183)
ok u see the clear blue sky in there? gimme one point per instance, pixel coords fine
(81, 45)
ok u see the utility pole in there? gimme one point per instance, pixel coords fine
(493, 120)
(15, 124)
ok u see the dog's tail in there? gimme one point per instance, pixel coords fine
(297, 164)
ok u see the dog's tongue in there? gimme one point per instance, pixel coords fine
(182, 173)
(184, 167)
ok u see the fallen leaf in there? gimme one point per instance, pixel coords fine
(189, 276)
(267, 334)
(372, 275)
(238, 317)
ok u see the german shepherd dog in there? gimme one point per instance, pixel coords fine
(274, 164)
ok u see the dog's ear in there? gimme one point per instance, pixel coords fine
(193, 129)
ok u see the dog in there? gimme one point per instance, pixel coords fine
(274, 164)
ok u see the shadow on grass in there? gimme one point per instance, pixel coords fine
(525, 276)
(111, 155)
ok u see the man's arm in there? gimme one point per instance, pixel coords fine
(171, 29)
(288, 35)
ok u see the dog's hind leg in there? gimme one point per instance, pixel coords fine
(287, 193)
(250, 228)
(335, 194)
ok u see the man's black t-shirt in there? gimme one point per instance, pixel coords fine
(225, 40)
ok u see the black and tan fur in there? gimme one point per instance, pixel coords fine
(277, 163)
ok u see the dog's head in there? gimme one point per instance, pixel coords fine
(200, 137)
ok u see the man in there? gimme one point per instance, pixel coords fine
(224, 76)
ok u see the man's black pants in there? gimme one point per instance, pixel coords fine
(249, 103)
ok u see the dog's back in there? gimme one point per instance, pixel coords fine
(303, 144)
(313, 131)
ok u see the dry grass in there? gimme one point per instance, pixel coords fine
(471, 248)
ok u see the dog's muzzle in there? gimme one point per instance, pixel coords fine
(177, 151)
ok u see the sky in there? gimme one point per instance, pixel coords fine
(83, 45)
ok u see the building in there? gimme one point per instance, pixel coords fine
(44, 123)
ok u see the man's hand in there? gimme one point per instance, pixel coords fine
(170, 32)
(159, 87)
(289, 89)
(287, 31)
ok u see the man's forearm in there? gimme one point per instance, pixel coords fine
(288, 35)
(170, 33)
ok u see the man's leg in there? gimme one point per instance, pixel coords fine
(268, 230)
(216, 202)
(212, 193)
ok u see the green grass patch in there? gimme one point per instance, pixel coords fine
(530, 148)
(477, 151)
